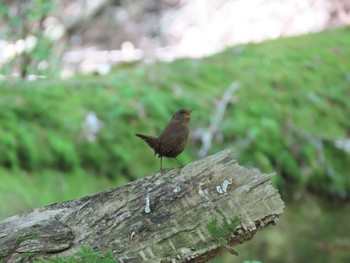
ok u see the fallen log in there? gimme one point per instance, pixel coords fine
(177, 215)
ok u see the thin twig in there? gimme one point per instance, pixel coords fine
(208, 135)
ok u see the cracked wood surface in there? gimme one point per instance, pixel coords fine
(182, 202)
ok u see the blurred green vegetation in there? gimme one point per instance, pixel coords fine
(310, 230)
(291, 107)
(27, 19)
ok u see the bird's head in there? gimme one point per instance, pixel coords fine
(183, 114)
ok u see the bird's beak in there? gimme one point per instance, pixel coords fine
(188, 113)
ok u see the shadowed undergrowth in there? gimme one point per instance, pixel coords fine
(291, 107)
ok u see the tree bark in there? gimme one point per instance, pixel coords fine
(173, 228)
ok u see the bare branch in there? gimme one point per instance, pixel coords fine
(208, 135)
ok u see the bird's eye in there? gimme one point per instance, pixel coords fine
(187, 114)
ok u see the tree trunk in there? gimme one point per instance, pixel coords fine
(171, 216)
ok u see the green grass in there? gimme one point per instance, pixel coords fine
(291, 105)
(20, 191)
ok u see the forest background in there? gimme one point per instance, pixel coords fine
(79, 78)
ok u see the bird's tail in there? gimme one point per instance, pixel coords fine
(151, 141)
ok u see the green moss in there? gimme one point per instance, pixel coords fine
(221, 232)
(85, 255)
(25, 238)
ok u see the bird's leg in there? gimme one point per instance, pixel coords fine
(178, 161)
(161, 165)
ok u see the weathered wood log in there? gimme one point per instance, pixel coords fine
(160, 218)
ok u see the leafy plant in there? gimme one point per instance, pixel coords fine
(222, 232)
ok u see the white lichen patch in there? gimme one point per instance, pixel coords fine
(222, 189)
(201, 191)
(177, 189)
(147, 207)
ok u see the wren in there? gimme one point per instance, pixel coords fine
(172, 141)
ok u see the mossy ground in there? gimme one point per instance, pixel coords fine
(293, 102)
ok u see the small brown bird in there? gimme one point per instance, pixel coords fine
(173, 139)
